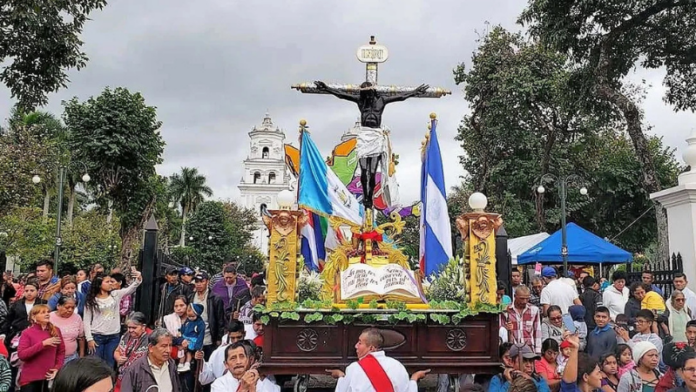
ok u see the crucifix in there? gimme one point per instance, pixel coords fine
(371, 98)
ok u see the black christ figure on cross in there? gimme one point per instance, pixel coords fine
(371, 104)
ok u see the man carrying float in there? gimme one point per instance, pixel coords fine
(374, 369)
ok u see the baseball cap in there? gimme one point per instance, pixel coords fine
(186, 271)
(171, 270)
(548, 272)
(201, 276)
(525, 351)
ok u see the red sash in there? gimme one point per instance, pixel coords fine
(376, 374)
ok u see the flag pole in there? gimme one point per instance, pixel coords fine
(302, 130)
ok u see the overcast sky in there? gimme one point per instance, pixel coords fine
(214, 67)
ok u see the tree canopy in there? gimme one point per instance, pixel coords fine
(218, 231)
(115, 135)
(604, 41)
(525, 122)
(39, 41)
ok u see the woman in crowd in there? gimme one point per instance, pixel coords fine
(582, 373)
(644, 376)
(70, 325)
(546, 366)
(102, 318)
(687, 372)
(679, 315)
(80, 279)
(18, 316)
(636, 294)
(87, 374)
(610, 368)
(68, 288)
(41, 350)
(133, 344)
(553, 326)
(174, 321)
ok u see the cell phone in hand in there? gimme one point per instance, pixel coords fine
(569, 324)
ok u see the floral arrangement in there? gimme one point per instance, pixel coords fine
(448, 284)
(309, 285)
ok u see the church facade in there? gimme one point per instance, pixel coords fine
(264, 175)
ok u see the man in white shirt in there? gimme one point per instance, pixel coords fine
(680, 283)
(215, 367)
(557, 292)
(241, 375)
(374, 371)
(616, 295)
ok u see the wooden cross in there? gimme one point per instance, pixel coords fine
(371, 54)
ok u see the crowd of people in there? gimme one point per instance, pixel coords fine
(578, 333)
(48, 322)
(559, 333)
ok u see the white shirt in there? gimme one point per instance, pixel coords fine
(614, 300)
(214, 368)
(560, 294)
(228, 383)
(164, 383)
(356, 380)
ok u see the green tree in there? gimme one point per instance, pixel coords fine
(607, 40)
(40, 40)
(49, 131)
(525, 123)
(243, 222)
(188, 188)
(210, 234)
(251, 260)
(115, 135)
(23, 154)
(27, 236)
(89, 241)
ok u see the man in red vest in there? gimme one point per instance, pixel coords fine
(374, 371)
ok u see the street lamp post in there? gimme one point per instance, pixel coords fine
(563, 184)
(61, 182)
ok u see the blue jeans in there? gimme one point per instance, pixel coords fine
(72, 357)
(106, 345)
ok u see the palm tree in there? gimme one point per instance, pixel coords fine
(49, 129)
(188, 188)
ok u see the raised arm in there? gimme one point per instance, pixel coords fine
(420, 90)
(335, 92)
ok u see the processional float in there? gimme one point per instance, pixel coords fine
(367, 279)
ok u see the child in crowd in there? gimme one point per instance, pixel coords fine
(624, 358)
(610, 368)
(652, 301)
(192, 335)
(562, 358)
(601, 340)
(577, 313)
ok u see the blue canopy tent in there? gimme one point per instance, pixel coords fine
(583, 248)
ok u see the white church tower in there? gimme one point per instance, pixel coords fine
(265, 174)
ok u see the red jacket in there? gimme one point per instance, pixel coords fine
(37, 359)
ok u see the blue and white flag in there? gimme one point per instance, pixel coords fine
(435, 234)
(320, 189)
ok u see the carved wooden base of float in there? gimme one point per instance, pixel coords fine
(295, 347)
